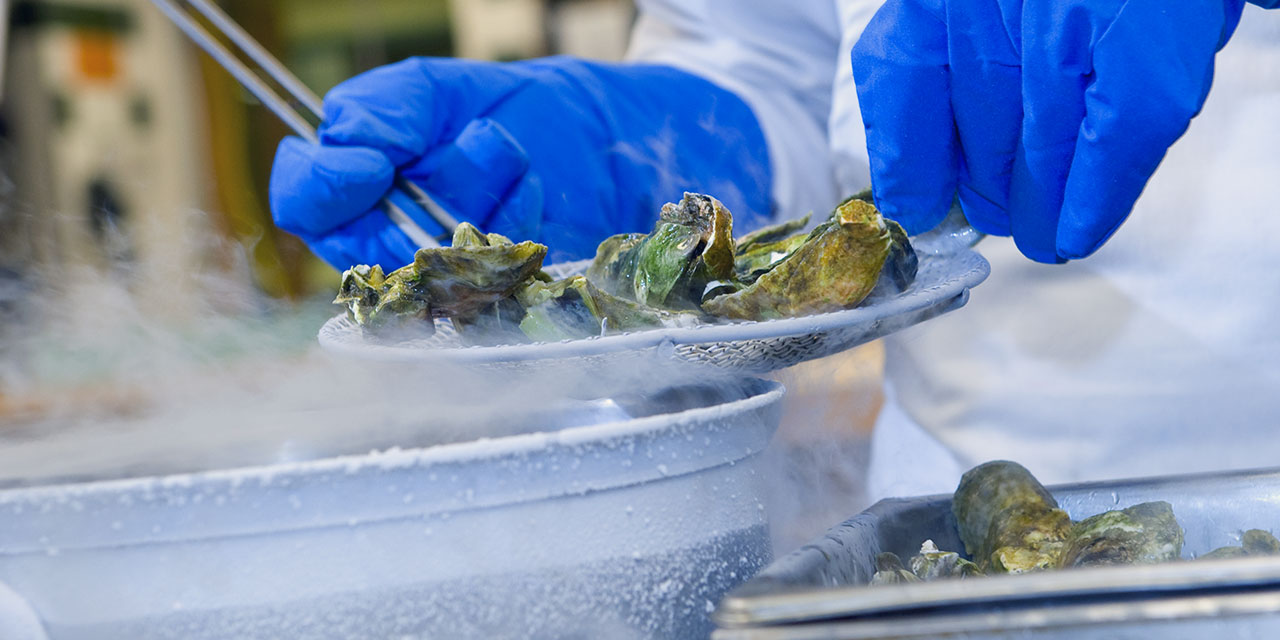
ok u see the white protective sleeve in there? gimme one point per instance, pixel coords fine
(780, 58)
(848, 139)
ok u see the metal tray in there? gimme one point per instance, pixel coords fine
(942, 283)
(819, 590)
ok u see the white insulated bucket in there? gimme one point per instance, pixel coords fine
(627, 529)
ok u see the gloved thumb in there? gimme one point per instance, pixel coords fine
(315, 188)
(476, 175)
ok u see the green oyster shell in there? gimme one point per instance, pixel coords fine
(1223, 552)
(1142, 534)
(690, 247)
(759, 251)
(1257, 542)
(493, 324)
(1254, 542)
(1008, 521)
(932, 563)
(462, 282)
(836, 267)
(574, 308)
(889, 570)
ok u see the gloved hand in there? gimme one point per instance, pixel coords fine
(558, 150)
(1045, 117)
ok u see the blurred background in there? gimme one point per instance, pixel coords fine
(118, 133)
(133, 170)
(138, 260)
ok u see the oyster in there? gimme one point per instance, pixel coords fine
(1257, 542)
(689, 248)
(932, 563)
(1142, 534)
(1254, 542)
(760, 250)
(361, 291)
(836, 267)
(1223, 552)
(574, 308)
(889, 570)
(1008, 521)
(493, 324)
(463, 281)
(613, 268)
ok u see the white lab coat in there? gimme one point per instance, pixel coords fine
(790, 62)
(1157, 355)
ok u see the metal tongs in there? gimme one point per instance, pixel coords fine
(284, 109)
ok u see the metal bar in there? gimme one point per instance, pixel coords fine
(300, 92)
(247, 77)
(437, 212)
(286, 111)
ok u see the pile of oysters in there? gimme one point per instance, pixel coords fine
(687, 271)
(1009, 523)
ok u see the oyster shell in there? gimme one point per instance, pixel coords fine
(889, 570)
(836, 267)
(690, 247)
(462, 281)
(494, 324)
(1254, 542)
(1142, 534)
(1008, 521)
(1223, 552)
(574, 308)
(759, 251)
(1257, 542)
(932, 563)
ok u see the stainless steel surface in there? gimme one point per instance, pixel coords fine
(818, 590)
(281, 107)
(624, 529)
(1243, 615)
(942, 284)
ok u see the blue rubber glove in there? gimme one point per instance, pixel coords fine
(558, 150)
(1045, 117)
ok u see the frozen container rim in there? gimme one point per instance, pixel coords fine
(1076, 616)
(835, 602)
(183, 504)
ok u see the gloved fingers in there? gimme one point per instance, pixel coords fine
(370, 239)
(1056, 72)
(473, 175)
(986, 95)
(1153, 70)
(317, 188)
(900, 66)
(407, 108)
